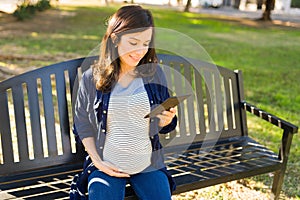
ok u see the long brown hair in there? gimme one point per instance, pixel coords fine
(128, 19)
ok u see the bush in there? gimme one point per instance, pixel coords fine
(24, 11)
(43, 5)
(27, 10)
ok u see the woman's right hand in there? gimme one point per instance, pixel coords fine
(109, 169)
(103, 166)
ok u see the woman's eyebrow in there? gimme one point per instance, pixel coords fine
(133, 38)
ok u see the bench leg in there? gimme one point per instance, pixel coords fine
(283, 155)
(277, 183)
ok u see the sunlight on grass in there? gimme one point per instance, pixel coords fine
(74, 37)
(194, 21)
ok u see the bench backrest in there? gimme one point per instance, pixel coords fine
(214, 111)
(36, 119)
(36, 111)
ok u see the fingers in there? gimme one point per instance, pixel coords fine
(117, 174)
(114, 171)
(170, 113)
(166, 117)
(111, 170)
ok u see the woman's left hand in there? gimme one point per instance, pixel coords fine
(165, 118)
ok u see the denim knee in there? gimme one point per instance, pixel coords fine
(103, 186)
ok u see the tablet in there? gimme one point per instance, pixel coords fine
(167, 105)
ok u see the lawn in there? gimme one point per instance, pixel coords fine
(267, 54)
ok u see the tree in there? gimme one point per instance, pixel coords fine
(266, 16)
(188, 5)
(104, 2)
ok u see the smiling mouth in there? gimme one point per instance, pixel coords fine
(135, 58)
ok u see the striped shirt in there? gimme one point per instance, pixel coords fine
(127, 144)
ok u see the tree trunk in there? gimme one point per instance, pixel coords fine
(267, 13)
(179, 2)
(104, 2)
(237, 4)
(188, 5)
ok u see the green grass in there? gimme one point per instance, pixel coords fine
(267, 55)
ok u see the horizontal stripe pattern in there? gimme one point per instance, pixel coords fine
(127, 144)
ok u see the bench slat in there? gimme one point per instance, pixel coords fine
(63, 112)
(5, 130)
(188, 70)
(199, 102)
(219, 102)
(49, 116)
(229, 114)
(209, 91)
(34, 110)
(21, 132)
(236, 104)
(178, 89)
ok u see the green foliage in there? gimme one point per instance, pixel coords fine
(295, 4)
(43, 5)
(26, 10)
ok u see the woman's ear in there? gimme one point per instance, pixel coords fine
(115, 39)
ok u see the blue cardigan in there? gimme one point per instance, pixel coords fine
(90, 121)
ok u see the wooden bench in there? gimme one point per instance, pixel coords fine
(38, 154)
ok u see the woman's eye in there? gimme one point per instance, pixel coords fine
(133, 43)
(146, 45)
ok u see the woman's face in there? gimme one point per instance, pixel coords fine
(133, 47)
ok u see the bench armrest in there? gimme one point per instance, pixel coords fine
(291, 128)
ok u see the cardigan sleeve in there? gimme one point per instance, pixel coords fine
(84, 117)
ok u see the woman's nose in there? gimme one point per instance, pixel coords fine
(141, 51)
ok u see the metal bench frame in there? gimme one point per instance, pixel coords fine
(38, 156)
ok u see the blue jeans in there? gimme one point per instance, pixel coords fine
(149, 185)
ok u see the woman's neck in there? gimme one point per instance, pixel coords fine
(127, 74)
(125, 69)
